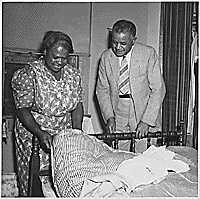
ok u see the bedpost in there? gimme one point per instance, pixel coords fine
(34, 186)
(182, 133)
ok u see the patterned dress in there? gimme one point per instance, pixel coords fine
(51, 101)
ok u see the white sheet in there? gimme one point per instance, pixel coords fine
(150, 167)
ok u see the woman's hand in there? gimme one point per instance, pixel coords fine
(45, 140)
(28, 121)
(111, 125)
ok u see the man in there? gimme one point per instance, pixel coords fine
(130, 88)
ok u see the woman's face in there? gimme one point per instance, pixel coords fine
(57, 56)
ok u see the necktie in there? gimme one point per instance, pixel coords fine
(124, 77)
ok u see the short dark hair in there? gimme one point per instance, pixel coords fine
(52, 37)
(123, 26)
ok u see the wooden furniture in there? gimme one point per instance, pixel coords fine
(35, 187)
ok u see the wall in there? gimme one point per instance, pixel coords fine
(24, 24)
(146, 18)
(153, 25)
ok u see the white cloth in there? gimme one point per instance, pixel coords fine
(87, 125)
(150, 167)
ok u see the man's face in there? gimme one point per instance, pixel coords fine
(122, 43)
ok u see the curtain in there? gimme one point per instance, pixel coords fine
(195, 67)
(176, 20)
(192, 92)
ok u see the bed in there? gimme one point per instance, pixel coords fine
(183, 184)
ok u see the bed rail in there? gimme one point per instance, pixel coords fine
(166, 138)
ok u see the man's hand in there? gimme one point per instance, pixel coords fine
(142, 130)
(111, 125)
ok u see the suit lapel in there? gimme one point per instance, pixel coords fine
(134, 69)
(115, 66)
(134, 64)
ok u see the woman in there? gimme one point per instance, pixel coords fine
(48, 99)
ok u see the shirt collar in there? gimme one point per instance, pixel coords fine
(128, 55)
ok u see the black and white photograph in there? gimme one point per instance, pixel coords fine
(99, 99)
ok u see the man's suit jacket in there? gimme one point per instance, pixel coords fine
(146, 84)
